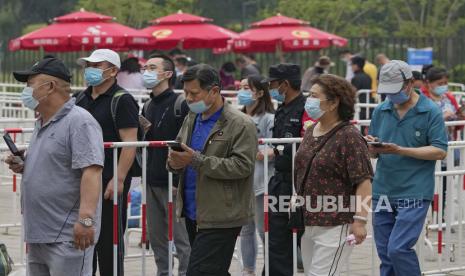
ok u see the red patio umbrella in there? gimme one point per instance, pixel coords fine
(187, 31)
(81, 31)
(286, 34)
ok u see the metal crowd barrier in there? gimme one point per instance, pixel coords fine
(444, 247)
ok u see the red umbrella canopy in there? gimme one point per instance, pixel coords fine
(187, 31)
(288, 33)
(81, 31)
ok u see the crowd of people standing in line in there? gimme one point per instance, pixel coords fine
(218, 166)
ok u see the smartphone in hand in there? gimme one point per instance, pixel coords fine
(12, 146)
(377, 144)
(176, 146)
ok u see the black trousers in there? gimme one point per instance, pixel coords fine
(211, 250)
(103, 253)
(280, 235)
(280, 245)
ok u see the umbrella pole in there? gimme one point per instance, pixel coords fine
(279, 51)
(41, 52)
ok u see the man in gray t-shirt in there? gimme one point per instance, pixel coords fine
(62, 172)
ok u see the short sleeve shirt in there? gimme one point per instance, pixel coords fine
(398, 176)
(336, 170)
(58, 151)
(127, 116)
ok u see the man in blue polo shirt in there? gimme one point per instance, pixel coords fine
(413, 136)
(216, 168)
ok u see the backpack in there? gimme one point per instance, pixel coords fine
(136, 168)
(6, 262)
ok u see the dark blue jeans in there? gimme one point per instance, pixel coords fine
(396, 232)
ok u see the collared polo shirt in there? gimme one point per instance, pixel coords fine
(127, 116)
(200, 135)
(399, 176)
(51, 182)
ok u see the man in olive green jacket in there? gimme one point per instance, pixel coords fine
(216, 169)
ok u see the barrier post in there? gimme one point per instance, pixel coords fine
(460, 191)
(144, 208)
(449, 202)
(440, 211)
(15, 195)
(170, 223)
(367, 109)
(115, 211)
(265, 215)
(294, 231)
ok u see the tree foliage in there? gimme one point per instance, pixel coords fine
(401, 18)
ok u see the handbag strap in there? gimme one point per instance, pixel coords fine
(320, 146)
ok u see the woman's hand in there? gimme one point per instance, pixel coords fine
(358, 228)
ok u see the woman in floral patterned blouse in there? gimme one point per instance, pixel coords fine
(338, 181)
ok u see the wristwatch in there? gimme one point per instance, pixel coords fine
(87, 222)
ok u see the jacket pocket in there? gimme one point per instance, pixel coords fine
(218, 147)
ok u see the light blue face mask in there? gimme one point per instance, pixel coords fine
(94, 76)
(28, 100)
(150, 79)
(399, 98)
(441, 90)
(274, 93)
(199, 107)
(245, 97)
(312, 107)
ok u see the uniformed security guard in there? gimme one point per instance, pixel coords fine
(284, 81)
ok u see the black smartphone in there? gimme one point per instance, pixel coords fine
(376, 144)
(176, 146)
(12, 146)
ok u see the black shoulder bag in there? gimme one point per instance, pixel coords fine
(296, 218)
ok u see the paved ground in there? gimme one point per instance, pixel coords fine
(360, 264)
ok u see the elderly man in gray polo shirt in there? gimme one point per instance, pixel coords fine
(61, 183)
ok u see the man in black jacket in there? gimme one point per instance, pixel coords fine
(166, 111)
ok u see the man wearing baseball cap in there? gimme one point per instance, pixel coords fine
(61, 175)
(407, 134)
(117, 113)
